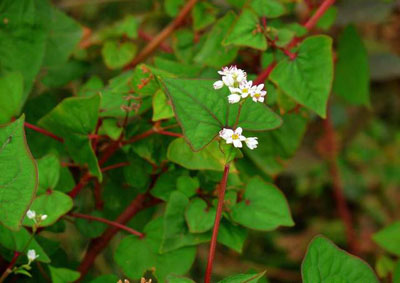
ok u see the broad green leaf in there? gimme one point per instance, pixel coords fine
(263, 207)
(202, 111)
(18, 241)
(187, 185)
(183, 45)
(24, 28)
(91, 86)
(325, 262)
(199, 217)
(277, 146)
(352, 69)
(19, 174)
(247, 31)
(64, 35)
(232, 236)
(176, 68)
(240, 278)
(65, 181)
(161, 106)
(111, 128)
(178, 279)
(172, 7)
(389, 238)
(308, 78)
(135, 255)
(213, 53)
(107, 278)
(327, 19)
(384, 266)
(73, 119)
(268, 8)
(117, 55)
(49, 172)
(61, 74)
(11, 96)
(396, 273)
(128, 26)
(165, 185)
(204, 14)
(63, 275)
(143, 81)
(137, 173)
(52, 203)
(176, 232)
(210, 158)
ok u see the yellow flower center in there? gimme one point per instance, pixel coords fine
(257, 95)
(235, 137)
(245, 90)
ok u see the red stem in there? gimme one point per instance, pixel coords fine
(43, 131)
(341, 204)
(318, 14)
(166, 133)
(114, 166)
(265, 73)
(213, 244)
(106, 221)
(78, 187)
(10, 266)
(157, 40)
(99, 203)
(163, 46)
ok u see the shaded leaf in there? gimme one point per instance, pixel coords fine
(239, 278)
(11, 96)
(63, 275)
(116, 55)
(389, 238)
(199, 217)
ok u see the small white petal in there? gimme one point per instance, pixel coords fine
(31, 214)
(252, 142)
(31, 254)
(233, 98)
(43, 217)
(238, 131)
(237, 143)
(225, 133)
(228, 80)
(218, 84)
(229, 140)
(261, 99)
(242, 138)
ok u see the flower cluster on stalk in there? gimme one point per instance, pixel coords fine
(240, 88)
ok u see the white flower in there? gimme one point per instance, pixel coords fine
(251, 142)
(258, 94)
(245, 88)
(232, 76)
(31, 214)
(233, 98)
(218, 84)
(43, 217)
(234, 137)
(32, 255)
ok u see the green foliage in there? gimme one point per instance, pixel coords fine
(19, 177)
(243, 278)
(11, 95)
(116, 55)
(388, 238)
(352, 70)
(324, 262)
(61, 275)
(308, 78)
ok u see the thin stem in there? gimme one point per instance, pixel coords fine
(10, 267)
(98, 199)
(152, 45)
(213, 244)
(108, 222)
(43, 131)
(78, 187)
(163, 46)
(114, 166)
(264, 74)
(172, 134)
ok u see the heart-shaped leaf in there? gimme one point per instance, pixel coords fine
(19, 174)
(202, 111)
(308, 77)
(199, 217)
(326, 263)
(263, 207)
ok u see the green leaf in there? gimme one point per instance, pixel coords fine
(73, 119)
(111, 128)
(187, 185)
(165, 185)
(327, 19)
(65, 181)
(202, 111)
(18, 241)
(210, 158)
(176, 232)
(107, 278)
(279, 145)
(232, 236)
(135, 255)
(204, 14)
(63, 275)
(64, 35)
(268, 8)
(161, 106)
(389, 238)
(352, 69)
(49, 172)
(324, 262)
(172, 7)
(199, 217)
(240, 278)
(396, 273)
(247, 31)
(128, 26)
(176, 68)
(384, 266)
(91, 229)
(19, 174)
(11, 96)
(117, 55)
(24, 26)
(263, 207)
(178, 279)
(308, 78)
(183, 45)
(52, 203)
(213, 53)
(143, 81)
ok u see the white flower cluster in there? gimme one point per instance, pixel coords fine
(31, 255)
(239, 87)
(236, 138)
(31, 214)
